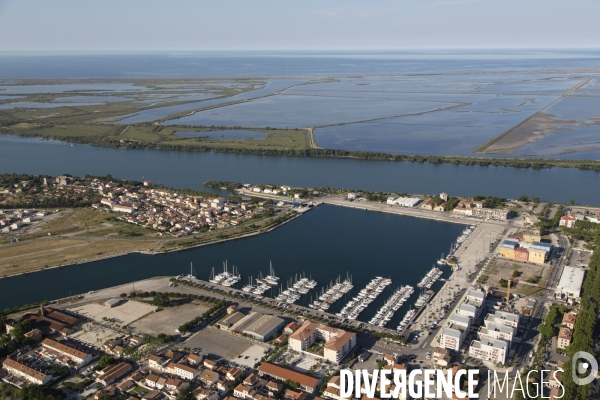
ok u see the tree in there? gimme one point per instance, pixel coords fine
(516, 273)
(123, 295)
(186, 394)
(292, 384)
(572, 202)
(161, 299)
(524, 198)
(104, 361)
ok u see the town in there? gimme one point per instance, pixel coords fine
(160, 209)
(513, 302)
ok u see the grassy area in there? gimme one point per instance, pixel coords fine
(527, 290)
(89, 238)
(35, 255)
(159, 137)
(85, 222)
(137, 390)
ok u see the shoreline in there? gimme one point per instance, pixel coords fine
(193, 246)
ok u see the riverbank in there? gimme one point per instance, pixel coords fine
(153, 248)
(303, 145)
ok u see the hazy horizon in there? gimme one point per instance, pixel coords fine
(268, 25)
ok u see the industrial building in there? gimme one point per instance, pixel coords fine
(403, 201)
(569, 285)
(257, 325)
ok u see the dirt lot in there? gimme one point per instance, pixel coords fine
(504, 269)
(34, 255)
(95, 334)
(123, 314)
(226, 345)
(169, 319)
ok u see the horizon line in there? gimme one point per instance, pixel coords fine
(335, 50)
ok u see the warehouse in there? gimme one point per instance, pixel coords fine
(569, 286)
(264, 327)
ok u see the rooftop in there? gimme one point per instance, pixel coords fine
(452, 332)
(264, 325)
(24, 369)
(571, 280)
(288, 373)
(339, 341)
(305, 331)
(63, 348)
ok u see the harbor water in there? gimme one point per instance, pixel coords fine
(323, 244)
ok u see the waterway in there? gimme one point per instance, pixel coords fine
(191, 170)
(324, 243)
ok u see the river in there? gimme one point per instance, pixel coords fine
(190, 170)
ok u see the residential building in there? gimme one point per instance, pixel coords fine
(507, 248)
(491, 213)
(452, 338)
(497, 332)
(34, 334)
(459, 322)
(441, 356)
(470, 309)
(567, 221)
(114, 372)
(308, 383)
(208, 377)
(521, 254)
(78, 357)
(291, 327)
(489, 350)
(206, 394)
(332, 391)
(565, 335)
(569, 319)
(338, 343)
(185, 371)
(338, 346)
(502, 318)
(23, 371)
(476, 295)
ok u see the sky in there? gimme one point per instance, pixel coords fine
(196, 25)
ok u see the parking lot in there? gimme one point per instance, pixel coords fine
(227, 346)
(168, 319)
(123, 314)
